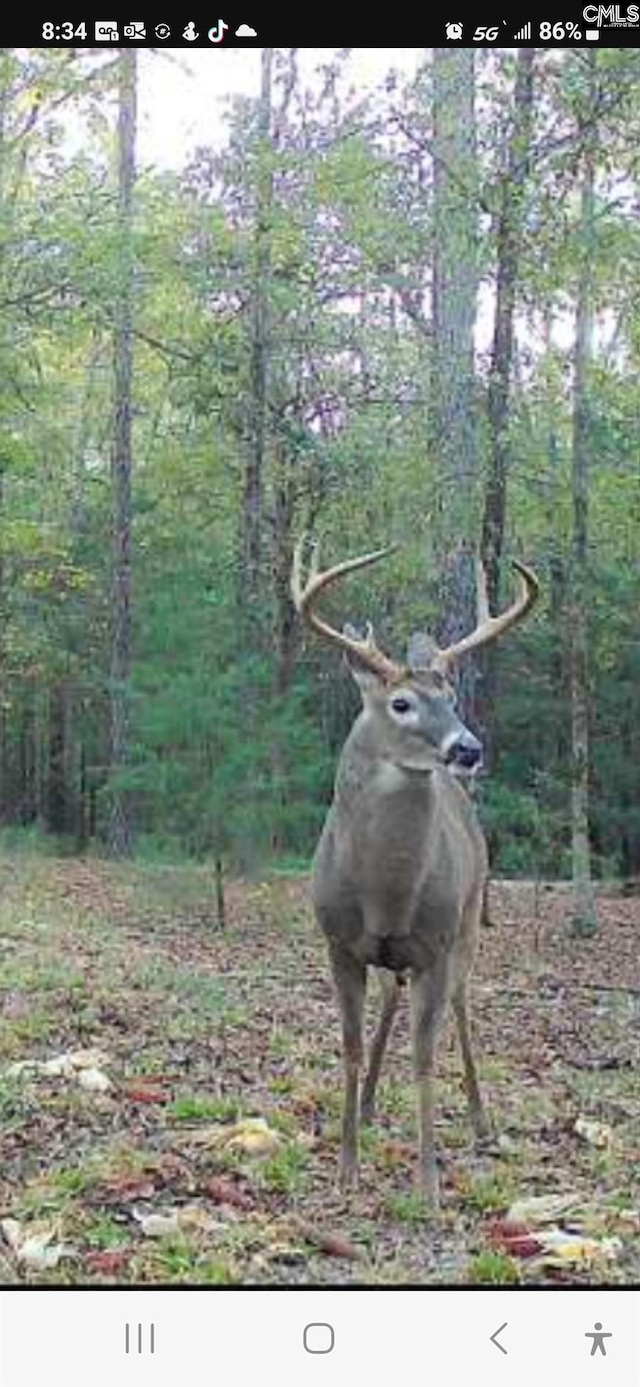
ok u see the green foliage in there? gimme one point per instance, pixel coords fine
(493, 1269)
(231, 759)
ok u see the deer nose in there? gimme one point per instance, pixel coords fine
(466, 751)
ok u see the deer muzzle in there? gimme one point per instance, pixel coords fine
(464, 751)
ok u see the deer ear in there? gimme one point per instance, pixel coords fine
(363, 675)
(421, 651)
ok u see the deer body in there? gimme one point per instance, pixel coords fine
(397, 846)
(401, 864)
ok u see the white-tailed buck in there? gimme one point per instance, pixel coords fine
(400, 867)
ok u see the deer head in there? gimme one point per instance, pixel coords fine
(412, 705)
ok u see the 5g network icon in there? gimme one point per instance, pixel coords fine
(453, 32)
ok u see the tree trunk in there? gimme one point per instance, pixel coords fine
(455, 283)
(250, 571)
(286, 627)
(584, 918)
(508, 239)
(56, 779)
(120, 829)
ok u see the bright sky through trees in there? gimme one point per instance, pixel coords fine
(183, 93)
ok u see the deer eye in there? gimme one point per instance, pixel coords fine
(400, 705)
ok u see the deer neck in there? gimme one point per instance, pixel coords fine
(367, 767)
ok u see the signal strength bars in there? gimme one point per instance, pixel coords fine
(523, 34)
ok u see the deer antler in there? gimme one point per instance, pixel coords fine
(489, 628)
(306, 594)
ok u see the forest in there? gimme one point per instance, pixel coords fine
(400, 316)
(384, 319)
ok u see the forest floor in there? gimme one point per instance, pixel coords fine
(197, 1139)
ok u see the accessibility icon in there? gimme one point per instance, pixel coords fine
(598, 1336)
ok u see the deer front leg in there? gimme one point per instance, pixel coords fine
(350, 980)
(477, 1113)
(390, 997)
(428, 1007)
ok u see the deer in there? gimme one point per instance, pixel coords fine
(400, 868)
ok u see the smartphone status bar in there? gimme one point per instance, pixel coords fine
(610, 26)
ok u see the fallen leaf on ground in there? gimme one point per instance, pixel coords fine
(34, 1244)
(73, 1064)
(144, 1093)
(595, 1133)
(562, 1249)
(332, 1244)
(544, 1208)
(157, 1224)
(94, 1080)
(516, 1239)
(108, 1262)
(253, 1135)
(124, 1188)
(627, 1220)
(189, 1218)
(225, 1192)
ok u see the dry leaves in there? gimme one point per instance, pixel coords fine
(529, 1231)
(163, 1223)
(85, 1066)
(594, 1133)
(34, 1245)
(253, 1136)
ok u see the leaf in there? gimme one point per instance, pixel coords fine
(541, 1209)
(108, 1262)
(124, 1188)
(332, 1244)
(157, 1225)
(94, 1081)
(12, 1232)
(66, 1066)
(194, 1219)
(594, 1133)
(224, 1192)
(71, 1061)
(627, 1220)
(34, 1245)
(516, 1239)
(188, 1218)
(254, 1136)
(562, 1249)
(140, 1093)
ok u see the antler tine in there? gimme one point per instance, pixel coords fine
(305, 596)
(489, 628)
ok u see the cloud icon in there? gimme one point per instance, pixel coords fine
(246, 32)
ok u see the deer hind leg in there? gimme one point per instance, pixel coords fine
(391, 990)
(429, 1000)
(350, 981)
(477, 1112)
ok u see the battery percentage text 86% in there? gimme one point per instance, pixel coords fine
(559, 30)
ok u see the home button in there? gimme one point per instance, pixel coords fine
(318, 1338)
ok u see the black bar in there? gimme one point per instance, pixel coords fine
(552, 26)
